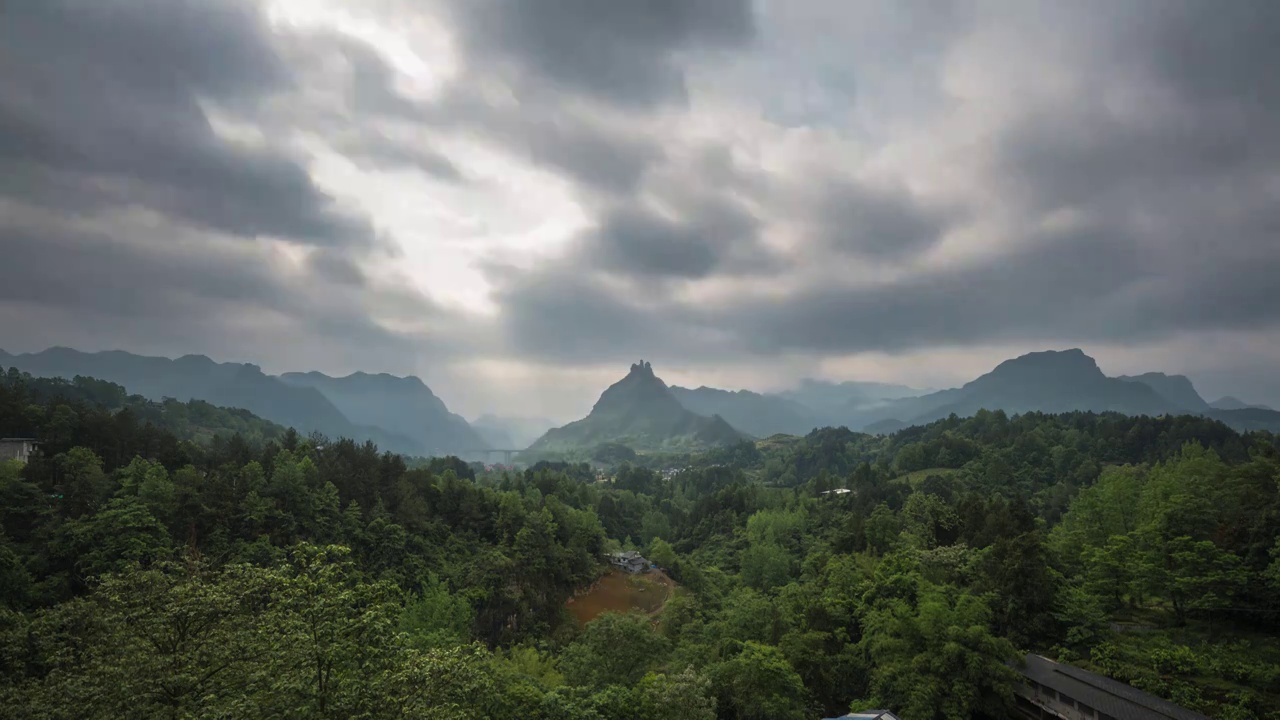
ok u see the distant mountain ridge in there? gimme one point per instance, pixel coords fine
(404, 405)
(750, 412)
(1053, 381)
(298, 404)
(641, 412)
(1057, 381)
(1050, 381)
(1233, 403)
(1177, 389)
(834, 398)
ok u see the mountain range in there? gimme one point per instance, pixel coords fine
(388, 401)
(402, 414)
(399, 414)
(641, 412)
(753, 413)
(1232, 403)
(1050, 382)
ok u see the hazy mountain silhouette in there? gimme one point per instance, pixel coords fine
(1177, 389)
(1233, 403)
(641, 412)
(1056, 382)
(828, 398)
(750, 412)
(402, 405)
(1051, 382)
(233, 385)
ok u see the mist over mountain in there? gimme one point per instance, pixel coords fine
(641, 412)
(839, 397)
(510, 432)
(751, 412)
(402, 405)
(1233, 403)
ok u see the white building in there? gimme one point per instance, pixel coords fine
(20, 449)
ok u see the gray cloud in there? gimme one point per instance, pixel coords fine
(375, 149)
(716, 236)
(872, 221)
(601, 157)
(621, 53)
(1057, 287)
(1169, 177)
(104, 125)
(106, 98)
(1110, 179)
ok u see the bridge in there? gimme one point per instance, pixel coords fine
(487, 453)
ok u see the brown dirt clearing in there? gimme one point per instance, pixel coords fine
(618, 591)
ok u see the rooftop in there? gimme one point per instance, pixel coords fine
(1120, 701)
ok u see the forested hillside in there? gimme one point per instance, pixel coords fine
(239, 385)
(48, 407)
(145, 576)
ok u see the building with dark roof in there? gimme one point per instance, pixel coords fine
(630, 561)
(1054, 690)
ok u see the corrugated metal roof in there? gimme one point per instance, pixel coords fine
(1121, 701)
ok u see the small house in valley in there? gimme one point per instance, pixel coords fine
(17, 448)
(630, 561)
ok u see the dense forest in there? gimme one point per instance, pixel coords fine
(177, 560)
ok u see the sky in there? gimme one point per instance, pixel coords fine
(515, 200)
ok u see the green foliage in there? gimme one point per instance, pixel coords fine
(433, 617)
(142, 574)
(759, 684)
(613, 649)
(682, 696)
(938, 657)
(300, 640)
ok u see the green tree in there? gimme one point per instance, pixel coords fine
(882, 529)
(81, 481)
(759, 684)
(613, 649)
(938, 658)
(766, 565)
(682, 696)
(436, 618)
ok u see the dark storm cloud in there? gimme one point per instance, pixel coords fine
(623, 53)
(104, 124)
(872, 221)
(1201, 97)
(1163, 157)
(566, 315)
(169, 282)
(97, 274)
(104, 99)
(1056, 287)
(715, 236)
(600, 157)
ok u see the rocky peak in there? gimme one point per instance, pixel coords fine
(642, 369)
